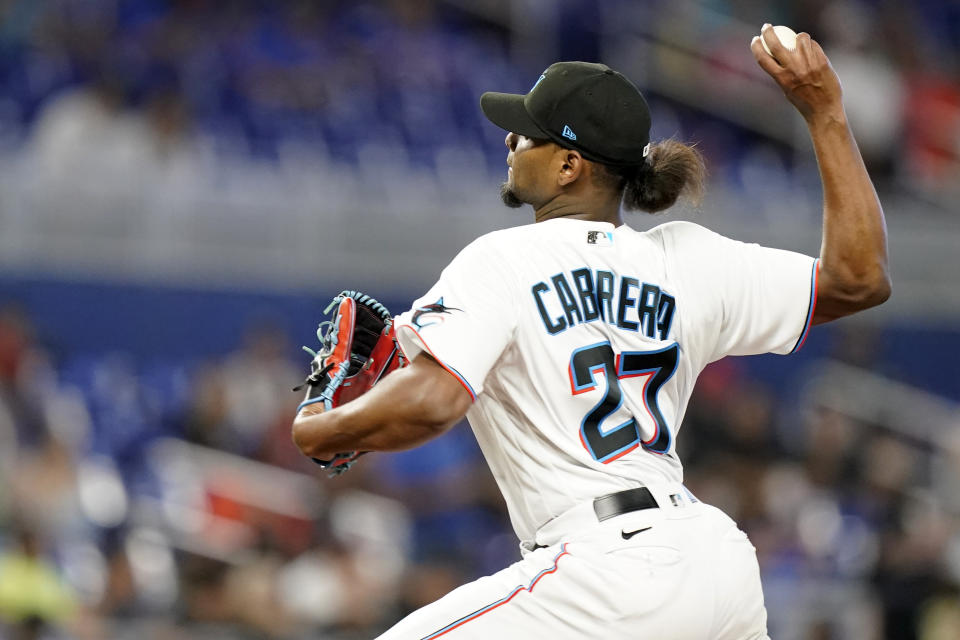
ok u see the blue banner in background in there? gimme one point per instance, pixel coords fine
(153, 323)
(148, 322)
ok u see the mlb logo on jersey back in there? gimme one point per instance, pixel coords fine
(600, 238)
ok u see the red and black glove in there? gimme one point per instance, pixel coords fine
(358, 348)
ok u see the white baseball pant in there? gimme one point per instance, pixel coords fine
(680, 571)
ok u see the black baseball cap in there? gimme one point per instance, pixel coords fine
(579, 105)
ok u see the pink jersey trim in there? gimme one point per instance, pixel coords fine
(814, 284)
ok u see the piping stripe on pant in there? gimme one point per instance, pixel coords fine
(493, 605)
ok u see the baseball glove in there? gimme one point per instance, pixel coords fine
(357, 348)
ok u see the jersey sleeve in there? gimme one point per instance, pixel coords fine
(466, 319)
(750, 299)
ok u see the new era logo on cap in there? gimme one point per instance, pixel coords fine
(568, 132)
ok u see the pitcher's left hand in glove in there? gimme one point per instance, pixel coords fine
(357, 348)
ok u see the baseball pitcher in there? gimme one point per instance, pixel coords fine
(572, 346)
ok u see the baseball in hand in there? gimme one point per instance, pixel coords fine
(786, 35)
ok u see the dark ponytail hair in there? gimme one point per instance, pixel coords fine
(672, 170)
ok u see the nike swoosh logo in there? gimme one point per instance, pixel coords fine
(627, 536)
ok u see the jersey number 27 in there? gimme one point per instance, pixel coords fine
(658, 366)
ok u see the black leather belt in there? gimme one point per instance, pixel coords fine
(615, 504)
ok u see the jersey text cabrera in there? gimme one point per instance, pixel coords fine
(581, 343)
(587, 295)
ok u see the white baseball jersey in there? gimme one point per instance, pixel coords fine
(581, 343)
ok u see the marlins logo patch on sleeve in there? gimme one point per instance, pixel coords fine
(431, 314)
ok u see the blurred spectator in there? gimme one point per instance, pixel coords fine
(21, 415)
(45, 491)
(873, 89)
(932, 153)
(206, 420)
(86, 130)
(256, 385)
(33, 596)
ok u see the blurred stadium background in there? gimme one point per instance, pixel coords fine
(185, 183)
